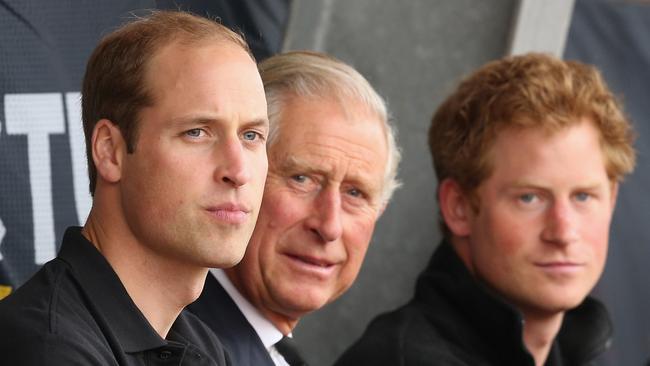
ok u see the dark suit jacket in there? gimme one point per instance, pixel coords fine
(215, 308)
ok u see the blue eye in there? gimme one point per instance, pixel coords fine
(528, 198)
(251, 135)
(582, 196)
(195, 132)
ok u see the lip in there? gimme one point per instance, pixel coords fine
(230, 213)
(319, 267)
(560, 267)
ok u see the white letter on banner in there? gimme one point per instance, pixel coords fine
(82, 198)
(38, 116)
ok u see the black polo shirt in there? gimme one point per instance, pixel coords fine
(75, 311)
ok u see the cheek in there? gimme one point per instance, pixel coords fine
(595, 234)
(501, 232)
(281, 210)
(172, 188)
(356, 240)
(278, 215)
(169, 173)
(258, 163)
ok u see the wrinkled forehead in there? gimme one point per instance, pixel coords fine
(323, 136)
(346, 114)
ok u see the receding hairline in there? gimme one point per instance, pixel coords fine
(182, 44)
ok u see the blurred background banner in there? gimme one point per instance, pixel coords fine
(413, 52)
(43, 178)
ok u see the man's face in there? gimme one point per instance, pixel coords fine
(540, 236)
(321, 201)
(191, 190)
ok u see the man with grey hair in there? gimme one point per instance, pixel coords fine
(332, 170)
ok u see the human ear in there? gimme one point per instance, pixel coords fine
(107, 148)
(455, 207)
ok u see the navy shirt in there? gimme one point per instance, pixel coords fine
(75, 311)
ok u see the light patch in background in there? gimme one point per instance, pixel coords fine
(38, 116)
(531, 31)
(4, 290)
(83, 200)
(3, 231)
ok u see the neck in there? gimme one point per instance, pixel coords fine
(160, 287)
(539, 333)
(282, 322)
(540, 329)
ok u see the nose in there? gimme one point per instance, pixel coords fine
(232, 167)
(561, 224)
(325, 221)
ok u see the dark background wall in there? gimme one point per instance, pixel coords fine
(615, 36)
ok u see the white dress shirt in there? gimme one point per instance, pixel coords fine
(268, 333)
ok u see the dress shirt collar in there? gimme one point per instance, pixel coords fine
(268, 333)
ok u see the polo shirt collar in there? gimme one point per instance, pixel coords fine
(586, 330)
(107, 295)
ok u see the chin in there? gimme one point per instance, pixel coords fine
(228, 262)
(221, 259)
(302, 303)
(555, 304)
(227, 255)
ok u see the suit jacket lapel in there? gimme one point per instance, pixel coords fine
(215, 308)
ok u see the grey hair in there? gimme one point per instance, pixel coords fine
(313, 74)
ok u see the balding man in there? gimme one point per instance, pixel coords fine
(175, 120)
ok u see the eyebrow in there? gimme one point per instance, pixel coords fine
(258, 122)
(529, 184)
(293, 163)
(208, 118)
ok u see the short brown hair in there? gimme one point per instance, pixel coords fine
(528, 91)
(114, 85)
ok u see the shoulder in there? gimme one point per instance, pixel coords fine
(385, 339)
(404, 337)
(45, 322)
(32, 307)
(30, 344)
